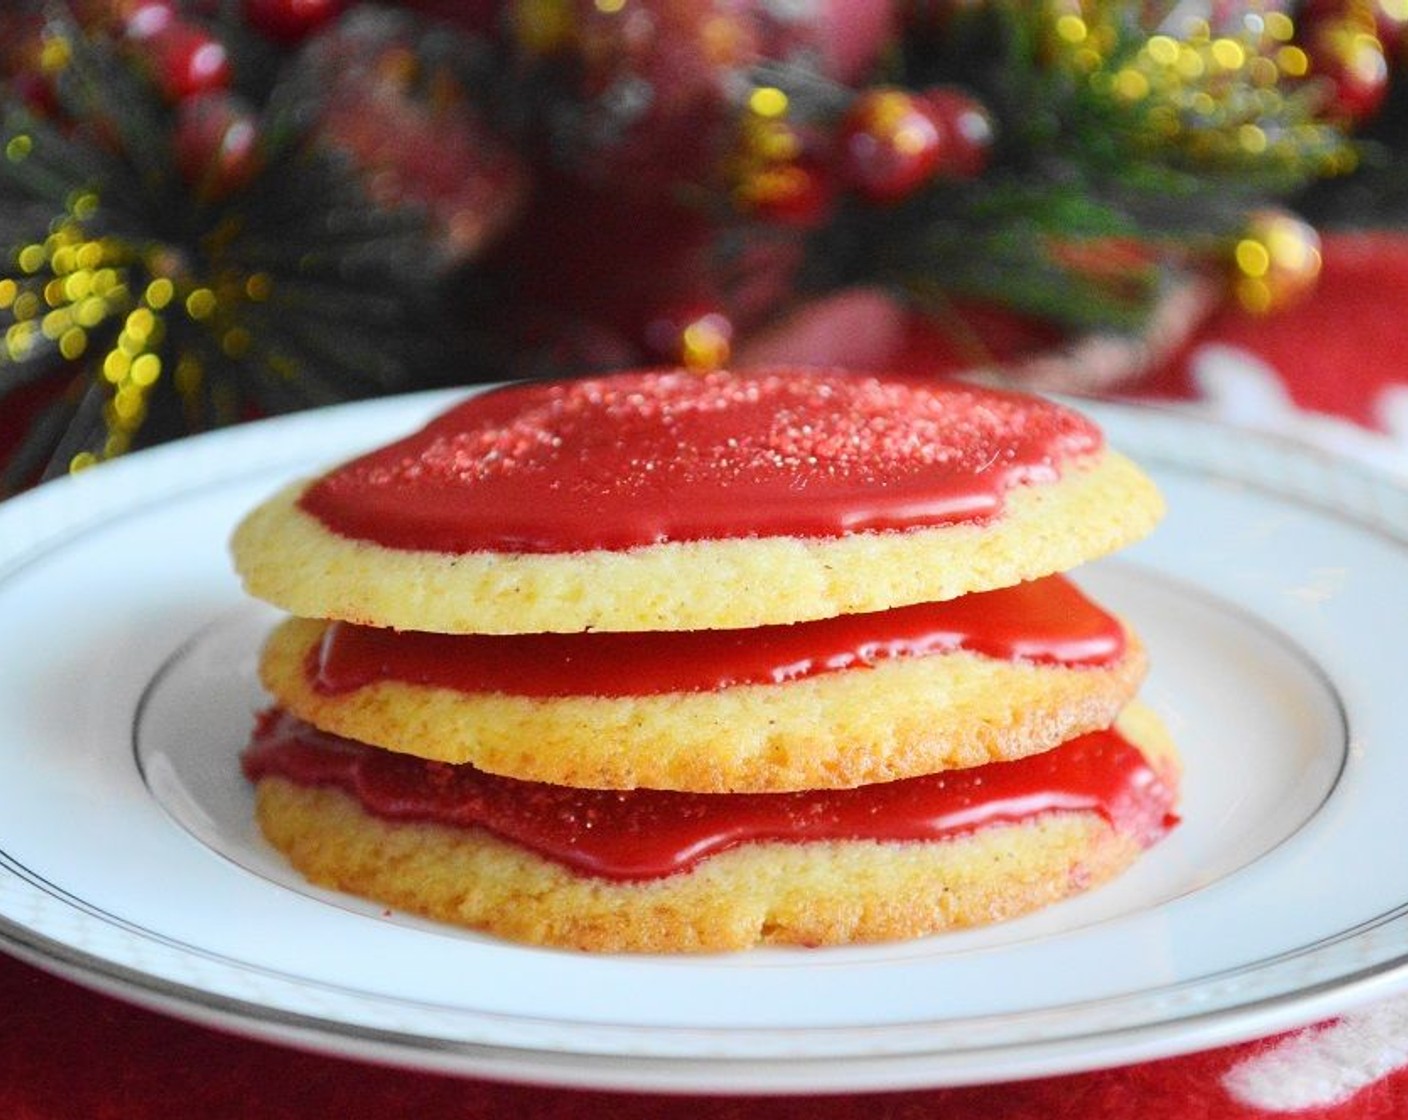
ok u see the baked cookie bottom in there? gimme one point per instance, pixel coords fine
(809, 894)
(287, 557)
(896, 719)
(795, 894)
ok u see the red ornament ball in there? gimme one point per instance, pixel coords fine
(889, 143)
(894, 141)
(1387, 20)
(967, 129)
(1349, 56)
(290, 21)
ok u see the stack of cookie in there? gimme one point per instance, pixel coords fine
(661, 661)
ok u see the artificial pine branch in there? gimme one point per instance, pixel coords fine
(1076, 166)
(302, 290)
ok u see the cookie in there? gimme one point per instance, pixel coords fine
(666, 500)
(829, 704)
(630, 872)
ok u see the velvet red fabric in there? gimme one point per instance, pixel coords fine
(67, 1052)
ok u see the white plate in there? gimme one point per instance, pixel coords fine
(1272, 600)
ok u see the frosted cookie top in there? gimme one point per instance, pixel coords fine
(677, 501)
(645, 458)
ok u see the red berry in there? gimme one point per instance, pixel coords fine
(889, 144)
(967, 129)
(185, 60)
(216, 144)
(289, 21)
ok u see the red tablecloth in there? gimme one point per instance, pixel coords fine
(68, 1054)
(1332, 369)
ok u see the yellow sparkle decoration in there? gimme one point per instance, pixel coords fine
(1293, 61)
(51, 303)
(1131, 85)
(145, 369)
(159, 293)
(1162, 50)
(83, 206)
(1222, 97)
(705, 344)
(72, 343)
(140, 324)
(59, 292)
(201, 303)
(1072, 29)
(31, 258)
(1275, 262)
(768, 101)
(764, 167)
(116, 366)
(71, 295)
(1252, 138)
(1228, 53)
(27, 305)
(20, 341)
(55, 54)
(1279, 26)
(18, 148)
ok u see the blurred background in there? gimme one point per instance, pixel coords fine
(214, 210)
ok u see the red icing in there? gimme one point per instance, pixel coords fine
(641, 458)
(1045, 621)
(645, 834)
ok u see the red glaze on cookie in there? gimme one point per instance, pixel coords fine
(647, 834)
(643, 458)
(1045, 621)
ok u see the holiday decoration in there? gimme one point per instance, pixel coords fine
(890, 144)
(1344, 48)
(212, 209)
(967, 128)
(194, 238)
(1276, 261)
